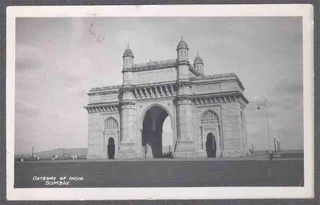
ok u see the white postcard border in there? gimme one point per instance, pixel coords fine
(303, 10)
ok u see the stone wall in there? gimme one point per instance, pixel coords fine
(152, 76)
(103, 98)
(215, 87)
(96, 132)
(232, 131)
(94, 136)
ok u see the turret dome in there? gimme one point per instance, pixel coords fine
(198, 60)
(182, 44)
(128, 52)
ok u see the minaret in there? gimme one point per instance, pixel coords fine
(127, 109)
(198, 64)
(182, 60)
(127, 66)
(185, 132)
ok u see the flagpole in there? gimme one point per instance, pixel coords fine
(267, 116)
(267, 121)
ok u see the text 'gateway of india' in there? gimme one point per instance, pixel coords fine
(206, 112)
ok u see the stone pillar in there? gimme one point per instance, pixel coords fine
(127, 121)
(127, 149)
(185, 147)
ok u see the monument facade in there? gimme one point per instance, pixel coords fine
(207, 112)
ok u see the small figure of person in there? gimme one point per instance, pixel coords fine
(270, 156)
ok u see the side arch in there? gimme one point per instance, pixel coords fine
(111, 137)
(210, 122)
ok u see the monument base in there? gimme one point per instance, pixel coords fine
(127, 151)
(203, 154)
(235, 153)
(185, 149)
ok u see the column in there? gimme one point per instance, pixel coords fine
(185, 133)
(127, 149)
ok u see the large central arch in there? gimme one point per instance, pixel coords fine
(152, 129)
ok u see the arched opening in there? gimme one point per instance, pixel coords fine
(156, 133)
(210, 124)
(111, 133)
(111, 148)
(167, 138)
(211, 145)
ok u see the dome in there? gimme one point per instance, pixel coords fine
(128, 52)
(198, 60)
(182, 44)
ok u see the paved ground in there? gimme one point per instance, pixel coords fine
(252, 171)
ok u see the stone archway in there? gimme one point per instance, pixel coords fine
(110, 137)
(152, 129)
(210, 134)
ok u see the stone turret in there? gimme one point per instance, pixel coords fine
(182, 60)
(127, 66)
(198, 64)
(182, 51)
(128, 58)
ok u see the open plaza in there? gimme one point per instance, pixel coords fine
(210, 172)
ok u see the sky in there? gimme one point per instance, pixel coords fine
(59, 59)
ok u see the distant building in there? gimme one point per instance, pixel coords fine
(207, 112)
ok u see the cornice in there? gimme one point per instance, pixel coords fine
(220, 98)
(101, 108)
(227, 77)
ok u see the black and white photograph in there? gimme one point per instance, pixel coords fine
(182, 101)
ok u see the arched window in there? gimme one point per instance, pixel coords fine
(209, 117)
(111, 124)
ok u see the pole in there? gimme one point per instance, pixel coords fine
(267, 126)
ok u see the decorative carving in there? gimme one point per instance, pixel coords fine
(184, 84)
(207, 88)
(113, 87)
(155, 65)
(127, 103)
(151, 92)
(102, 108)
(201, 138)
(208, 77)
(126, 89)
(109, 98)
(155, 91)
(161, 92)
(183, 100)
(215, 99)
(217, 76)
(154, 76)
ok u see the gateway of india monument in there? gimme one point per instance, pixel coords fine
(207, 112)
